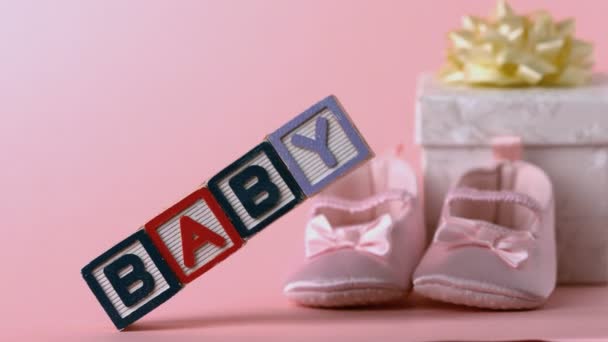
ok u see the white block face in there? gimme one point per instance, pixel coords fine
(170, 233)
(309, 161)
(286, 196)
(160, 282)
(320, 145)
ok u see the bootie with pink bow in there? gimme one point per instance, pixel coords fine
(494, 247)
(364, 238)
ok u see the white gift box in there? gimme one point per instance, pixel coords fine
(564, 131)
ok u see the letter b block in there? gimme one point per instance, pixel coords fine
(320, 145)
(255, 190)
(131, 279)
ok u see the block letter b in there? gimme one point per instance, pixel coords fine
(122, 284)
(259, 197)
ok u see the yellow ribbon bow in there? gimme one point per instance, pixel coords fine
(516, 51)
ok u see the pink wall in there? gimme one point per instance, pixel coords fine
(113, 110)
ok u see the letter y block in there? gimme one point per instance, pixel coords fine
(320, 145)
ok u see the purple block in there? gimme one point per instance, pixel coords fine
(320, 145)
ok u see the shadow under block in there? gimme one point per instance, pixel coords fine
(130, 279)
(194, 235)
(255, 190)
(320, 145)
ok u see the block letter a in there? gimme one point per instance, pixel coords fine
(195, 236)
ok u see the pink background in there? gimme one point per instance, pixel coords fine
(113, 110)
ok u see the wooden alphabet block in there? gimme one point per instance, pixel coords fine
(255, 190)
(207, 226)
(130, 279)
(194, 235)
(320, 145)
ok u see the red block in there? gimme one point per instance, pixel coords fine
(194, 235)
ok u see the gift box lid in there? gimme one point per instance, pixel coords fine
(466, 116)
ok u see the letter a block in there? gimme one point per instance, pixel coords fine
(131, 279)
(255, 190)
(194, 235)
(320, 145)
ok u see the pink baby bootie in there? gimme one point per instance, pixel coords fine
(364, 238)
(494, 247)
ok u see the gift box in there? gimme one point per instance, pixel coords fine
(564, 131)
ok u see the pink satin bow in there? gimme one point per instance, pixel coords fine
(510, 246)
(372, 237)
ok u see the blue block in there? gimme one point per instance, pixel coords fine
(255, 190)
(134, 260)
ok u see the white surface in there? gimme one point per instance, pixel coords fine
(160, 283)
(338, 143)
(170, 233)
